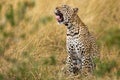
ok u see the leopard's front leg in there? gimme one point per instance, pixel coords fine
(71, 64)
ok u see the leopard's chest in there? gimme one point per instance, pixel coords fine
(72, 42)
(74, 46)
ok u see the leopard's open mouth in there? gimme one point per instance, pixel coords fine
(59, 16)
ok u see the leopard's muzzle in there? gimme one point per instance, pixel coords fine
(59, 16)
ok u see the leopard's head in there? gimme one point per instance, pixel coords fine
(64, 14)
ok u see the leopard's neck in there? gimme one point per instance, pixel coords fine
(74, 26)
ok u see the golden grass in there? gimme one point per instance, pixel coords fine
(35, 48)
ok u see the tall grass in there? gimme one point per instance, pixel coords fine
(33, 45)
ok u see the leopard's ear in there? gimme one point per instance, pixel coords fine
(75, 10)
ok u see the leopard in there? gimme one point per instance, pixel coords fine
(81, 45)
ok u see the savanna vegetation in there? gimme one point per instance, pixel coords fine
(33, 45)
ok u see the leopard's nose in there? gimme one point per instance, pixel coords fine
(56, 8)
(56, 11)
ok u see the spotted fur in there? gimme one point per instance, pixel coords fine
(81, 45)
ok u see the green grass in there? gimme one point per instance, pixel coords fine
(10, 15)
(105, 67)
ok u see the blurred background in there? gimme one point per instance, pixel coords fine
(33, 45)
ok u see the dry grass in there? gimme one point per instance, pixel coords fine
(32, 44)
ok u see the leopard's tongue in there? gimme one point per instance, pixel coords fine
(58, 17)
